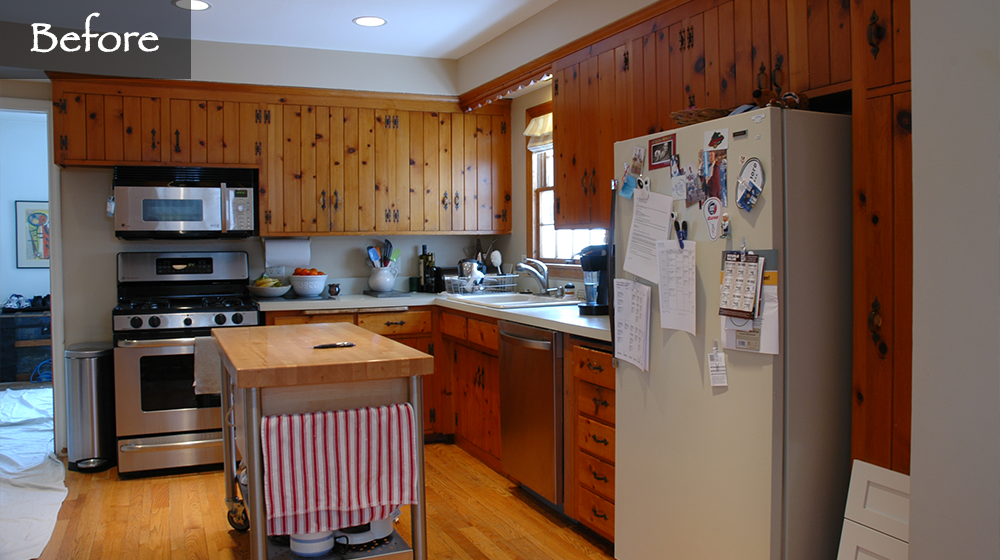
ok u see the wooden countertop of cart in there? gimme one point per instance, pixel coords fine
(283, 355)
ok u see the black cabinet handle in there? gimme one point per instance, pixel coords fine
(153, 132)
(596, 440)
(583, 181)
(177, 141)
(599, 402)
(391, 323)
(596, 514)
(336, 200)
(875, 34)
(874, 326)
(598, 477)
(761, 76)
(774, 75)
(592, 367)
(444, 201)
(322, 200)
(593, 181)
(456, 202)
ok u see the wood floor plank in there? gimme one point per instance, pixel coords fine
(473, 513)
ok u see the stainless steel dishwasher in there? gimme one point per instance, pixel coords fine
(531, 408)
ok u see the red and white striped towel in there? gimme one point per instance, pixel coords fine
(329, 470)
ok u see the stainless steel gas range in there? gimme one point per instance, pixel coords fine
(167, 304)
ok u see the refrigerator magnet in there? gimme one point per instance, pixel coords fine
(750, 184)
(661, 151)
(712, 209)
(717, 139)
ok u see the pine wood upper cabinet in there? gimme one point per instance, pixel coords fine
(94, 127)
(214, 132)
(590, 113)
(882, 41)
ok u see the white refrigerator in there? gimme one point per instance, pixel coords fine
(757, 469)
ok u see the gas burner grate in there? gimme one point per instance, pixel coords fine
(149, 304)
(223, 301)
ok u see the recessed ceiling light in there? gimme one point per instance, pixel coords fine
(193, 5)
(369, 21)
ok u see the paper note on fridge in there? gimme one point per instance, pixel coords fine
(632, 322)
(766, 325)
(677, 285)
(650, 223)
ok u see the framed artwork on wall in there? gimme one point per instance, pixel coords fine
(32, 219)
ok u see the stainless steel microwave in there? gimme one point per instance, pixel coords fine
(185, 202)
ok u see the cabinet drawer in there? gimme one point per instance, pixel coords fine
(596, 438)
(595, 512)
(483, 334)
(305, 319)
(593, 366)
(454, 325)
(595, 401)
(407, 322)
(595, 475)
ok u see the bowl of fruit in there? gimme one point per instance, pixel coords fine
(265, 286)
(308, 282)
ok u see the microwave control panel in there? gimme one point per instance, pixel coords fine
(240, 209)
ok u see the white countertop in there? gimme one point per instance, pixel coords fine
(562, 318)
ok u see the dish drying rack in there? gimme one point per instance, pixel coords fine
(490, 284)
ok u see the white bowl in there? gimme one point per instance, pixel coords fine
(312, 545)
(267, 291)
(308, 286)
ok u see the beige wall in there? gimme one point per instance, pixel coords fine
(288, 66)
(553, 27)
(955, 464)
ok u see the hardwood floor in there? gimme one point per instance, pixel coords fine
(472, 513)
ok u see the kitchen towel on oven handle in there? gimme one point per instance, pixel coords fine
(207, 367)
(329, 470)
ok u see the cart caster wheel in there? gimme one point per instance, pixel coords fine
(238, 519)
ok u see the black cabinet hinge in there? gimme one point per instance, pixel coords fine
(433, 415)
(430, 349)
(257, 116)
(456, 356)
(625, 63)
(555, 87)
(267, 117)
(267, 217)
(558, 211)
(395, 121)
(257, 148)
(61, 105)
(63, 142)
(503, 127)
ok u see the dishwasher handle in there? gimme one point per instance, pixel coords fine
(526, 342)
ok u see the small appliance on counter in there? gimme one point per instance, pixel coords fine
(594, 262)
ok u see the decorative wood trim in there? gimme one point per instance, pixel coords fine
(893, 89)
(827, 90)
(621, 30)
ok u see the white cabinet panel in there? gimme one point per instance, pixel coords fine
(858, 542)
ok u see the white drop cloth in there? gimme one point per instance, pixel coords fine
(32, 479)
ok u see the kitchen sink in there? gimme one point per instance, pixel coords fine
(512, 301)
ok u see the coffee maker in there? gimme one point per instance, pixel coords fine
(594, 262)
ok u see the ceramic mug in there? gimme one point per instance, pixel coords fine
(382, 279)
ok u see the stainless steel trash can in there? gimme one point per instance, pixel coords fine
(90, 406)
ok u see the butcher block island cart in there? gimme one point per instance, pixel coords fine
(275, 370)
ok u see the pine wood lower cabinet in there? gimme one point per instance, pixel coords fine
(412, 327)
(590, 435)
(469, 353)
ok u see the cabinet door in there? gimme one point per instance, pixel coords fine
(392, 170)
(881, 42)
(490, 403)
(883, 272)
(433, 393)
(566, 138)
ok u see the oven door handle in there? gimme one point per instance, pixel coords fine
(158, 342)
(141, 447)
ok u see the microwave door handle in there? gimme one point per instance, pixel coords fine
(157, 342)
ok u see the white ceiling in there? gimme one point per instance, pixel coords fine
(444, 29)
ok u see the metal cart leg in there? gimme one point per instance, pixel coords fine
(418, 511)
(236, 510)
(255, 472)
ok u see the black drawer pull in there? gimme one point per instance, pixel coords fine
(600, 402)
(598, 477)
(592, 367)
(177, 143)
(391, 323)
(604, 441)
(599, 515)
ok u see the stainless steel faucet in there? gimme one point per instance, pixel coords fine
(537, 270)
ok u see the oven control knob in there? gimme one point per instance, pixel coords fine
(136, 322)
(154, 321)
(188, 321)
(220, 319)
(237, 318)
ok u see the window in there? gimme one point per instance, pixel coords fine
(555, 245)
